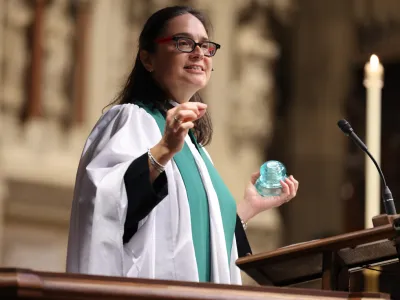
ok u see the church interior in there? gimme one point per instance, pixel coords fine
(287, 72)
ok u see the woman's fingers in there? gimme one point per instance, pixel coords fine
(289, 188)
(296, 183)
(202, 112)
(254, 177)
(183, 128)
(190, 111)
(285, 188)
(184, 116)
(292, 189)
(196, 107)
(178, 122)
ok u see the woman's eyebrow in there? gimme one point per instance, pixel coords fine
(187, 34)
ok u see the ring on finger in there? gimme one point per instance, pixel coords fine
(177, 119)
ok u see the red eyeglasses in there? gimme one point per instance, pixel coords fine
(187, 45)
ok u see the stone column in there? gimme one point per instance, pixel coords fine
(237, 147)
(97, 88)
(240, 97)
(2, 187)
(15, 18)
(18, 18)
(2, 42)
(111, 52)
(322, 55)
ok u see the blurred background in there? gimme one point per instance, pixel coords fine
(287, 71)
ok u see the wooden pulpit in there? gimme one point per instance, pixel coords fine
(331, 259)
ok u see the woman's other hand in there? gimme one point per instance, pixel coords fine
(253, 203)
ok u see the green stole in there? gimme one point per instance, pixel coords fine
(198, 202)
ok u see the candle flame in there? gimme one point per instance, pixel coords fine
(374, 62)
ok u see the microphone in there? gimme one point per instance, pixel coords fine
(387, 194)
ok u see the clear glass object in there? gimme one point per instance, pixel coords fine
(271, 173)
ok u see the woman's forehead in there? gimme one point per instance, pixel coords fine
(186, 25)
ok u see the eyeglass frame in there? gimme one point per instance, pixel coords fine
(177, 38)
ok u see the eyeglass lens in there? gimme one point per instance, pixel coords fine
(188, 45)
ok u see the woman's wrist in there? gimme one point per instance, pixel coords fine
(161, 153)
(245, 211)
(159, 156)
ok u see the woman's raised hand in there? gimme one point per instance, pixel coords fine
(178, 122)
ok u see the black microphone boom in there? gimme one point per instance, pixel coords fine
(387, 197)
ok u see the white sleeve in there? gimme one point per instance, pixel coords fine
(99, 206)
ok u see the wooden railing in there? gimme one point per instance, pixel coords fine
(27, 284)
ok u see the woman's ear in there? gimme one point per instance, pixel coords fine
(145, 58)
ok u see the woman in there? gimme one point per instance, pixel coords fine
(148, 202)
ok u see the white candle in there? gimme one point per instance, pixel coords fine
(373, 82)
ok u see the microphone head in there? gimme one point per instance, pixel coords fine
(345, 126)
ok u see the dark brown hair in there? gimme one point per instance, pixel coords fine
(140, 85)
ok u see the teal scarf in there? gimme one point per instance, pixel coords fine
(198, 202)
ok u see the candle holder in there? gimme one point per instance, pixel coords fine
(271, 173)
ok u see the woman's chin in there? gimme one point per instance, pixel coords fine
(197, 83)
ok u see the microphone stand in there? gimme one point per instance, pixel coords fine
(390, 217)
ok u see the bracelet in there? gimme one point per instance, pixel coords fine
(159, 167)
(243, 224)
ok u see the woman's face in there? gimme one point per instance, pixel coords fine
(181, 74)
